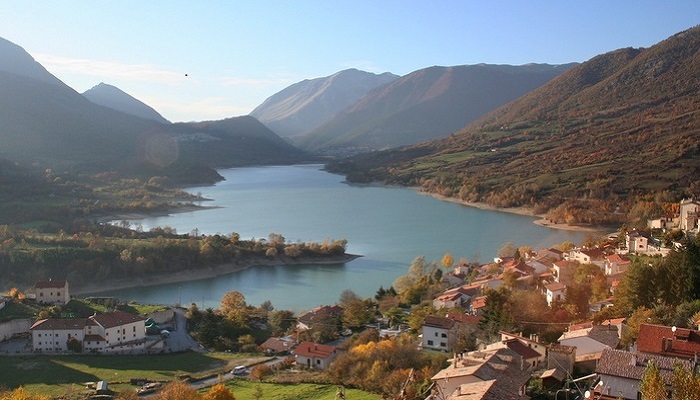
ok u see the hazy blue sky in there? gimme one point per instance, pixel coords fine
(238, 53)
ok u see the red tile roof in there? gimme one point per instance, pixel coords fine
(117, 318)
(524, 351)
(50, 284)
(319, 313)
(659, 339)
(438, 322)
(59, 324)
(464, 318)
(310, 350)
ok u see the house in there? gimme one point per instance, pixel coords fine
(115, 332)
(498, 374)
(437, 332)
(314, 355)
(590, 343)
(538, 266)
(52, 292)
(561, 357)
(318, 315)
(621, 372)
(531, 343)
(477, 305)
(277, 345)
(668, 341)
(564, 270)
(689, 213)
(555, 292)
(551, 254)
(665, 222)
(637, 242)
(457, 297)
(587, 256)
(616, 264)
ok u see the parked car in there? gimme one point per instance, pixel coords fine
(239, 370)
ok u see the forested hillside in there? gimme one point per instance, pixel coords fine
(618, 128)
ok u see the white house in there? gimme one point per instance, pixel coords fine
(616, 264)
(437, 332)
(590, 342)
(555, 292)
(689, 212)
(313, 355)
(52, 292)
(115, 332)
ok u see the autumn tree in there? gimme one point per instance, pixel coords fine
(652, 386)
(507, 250)
(447, 261)
(684, 385)
(21, 394)
(177, 390)
(234, 307)
(281, 321)
(219, 392)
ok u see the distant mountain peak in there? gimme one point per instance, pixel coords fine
(15, 60)
(112, 97)
(306, 105)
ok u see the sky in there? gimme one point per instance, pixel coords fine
(209, 60)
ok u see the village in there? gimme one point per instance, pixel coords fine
(576, 350)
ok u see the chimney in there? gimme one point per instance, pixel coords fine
(633, 362)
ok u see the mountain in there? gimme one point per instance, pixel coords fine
(428, 104)
(618, 127)
(114, 98)
(47, 124)
(304, 106)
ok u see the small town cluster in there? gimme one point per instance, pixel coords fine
(587, 359)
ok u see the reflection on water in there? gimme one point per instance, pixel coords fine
(388, 226)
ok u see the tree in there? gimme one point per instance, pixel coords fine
(447, 261)
(259, 372)
(234, 307)
(507, 250)
(357, 313)
(281, 321)
(684, 385)
(219, 392)
(177, 391)
(652, 386)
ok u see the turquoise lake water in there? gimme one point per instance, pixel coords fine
(389, 227)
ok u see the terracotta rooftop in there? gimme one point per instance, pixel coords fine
(438, 322)
(310, 350)
(50, 284)
(59, 324)
(464, 318)
(277, 345)
(523, 351)
(319, 313)
(629, 365)
(659, 339)
(116, 318)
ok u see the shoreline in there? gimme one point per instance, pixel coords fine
(206, 273)
(541, 221)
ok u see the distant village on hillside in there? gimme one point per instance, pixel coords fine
(590, 355)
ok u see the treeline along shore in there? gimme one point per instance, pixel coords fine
(99, 257)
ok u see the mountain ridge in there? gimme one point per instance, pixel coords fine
(427, 104)
(112, 97)
(620, 126)
(303, 106)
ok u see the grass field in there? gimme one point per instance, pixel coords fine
(56, 375)
(66, 376)
(246, 390)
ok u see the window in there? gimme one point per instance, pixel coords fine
(444, 335)
(430, 343)
(134, 328)
(443, 344)
(436, 334)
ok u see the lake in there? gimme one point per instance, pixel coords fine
(388, 226)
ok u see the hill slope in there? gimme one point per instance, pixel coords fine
(621, 125)
(45, 123)
(116, 99)
(428, 104)
(304, 106)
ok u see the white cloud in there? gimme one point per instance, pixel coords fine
(60, 65)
